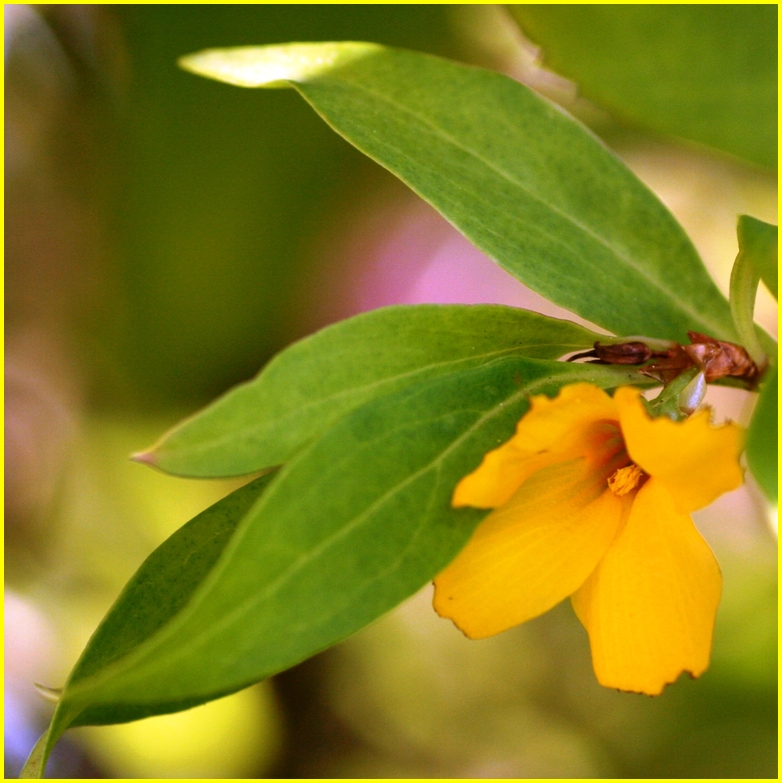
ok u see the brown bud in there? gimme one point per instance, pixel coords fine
(623, 353)
(715, 358)
(617, 353)
(719, 359)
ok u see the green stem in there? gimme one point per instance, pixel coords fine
(744, 279)
(655, 343)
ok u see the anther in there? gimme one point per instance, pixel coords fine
(626, 480)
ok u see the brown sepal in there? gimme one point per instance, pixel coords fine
(715, 358)
(719, 359)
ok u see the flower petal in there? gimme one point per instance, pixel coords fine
(552, 430)
(696, 461)
(533, 552)
(649, 606)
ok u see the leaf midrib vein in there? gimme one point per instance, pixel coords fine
(250, 430)
(242, 609)
(437, 131)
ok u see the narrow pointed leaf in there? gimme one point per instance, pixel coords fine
(308, 386)
(156, 593)
(763, 437)
(353, 525)
(526, 183)
(167, 580)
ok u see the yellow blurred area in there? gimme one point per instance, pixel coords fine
(233, 737)
(427, 699)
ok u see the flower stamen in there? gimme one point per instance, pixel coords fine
(626, 479)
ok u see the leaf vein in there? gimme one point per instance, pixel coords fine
(438, 132)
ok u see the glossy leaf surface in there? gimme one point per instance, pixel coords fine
(763, 437)
(357, 522)
(707, 73)
(312, 383)
(530, 186)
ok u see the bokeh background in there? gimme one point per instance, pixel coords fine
(165, 236)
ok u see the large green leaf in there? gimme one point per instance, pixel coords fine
(702, 72)
(304, 389)
(763, 437)
(353, 525)
(166, 580)
(157, 592)
(526, 183)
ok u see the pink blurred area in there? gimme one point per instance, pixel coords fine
(438, 265)
(398, 250)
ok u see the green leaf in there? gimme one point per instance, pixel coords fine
(762, 437)
(529, 185)
(166, 581)
(357, 522)
(707, 73)
(158, 591)
(757, 256)
(744, 279)
(311, 384)
(758, 241)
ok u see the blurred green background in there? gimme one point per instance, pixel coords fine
(165, 236)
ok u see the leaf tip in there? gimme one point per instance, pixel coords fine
(145, 458)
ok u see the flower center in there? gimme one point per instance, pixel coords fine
(607, 447)
(626, 479)
(611, 460)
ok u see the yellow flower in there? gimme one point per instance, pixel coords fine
(592, 499)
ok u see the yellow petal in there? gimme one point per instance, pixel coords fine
(532, 553)
(649, 606)
(696, 461)
(552, 430)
